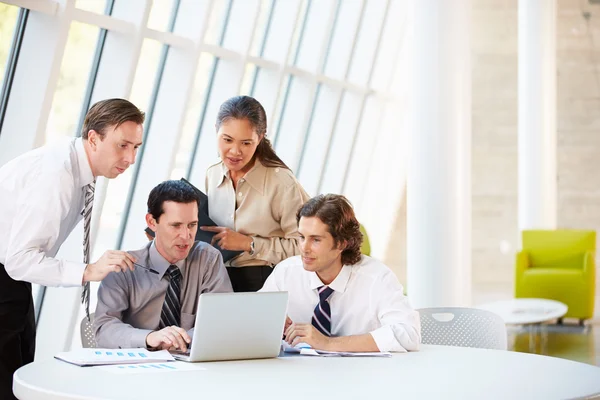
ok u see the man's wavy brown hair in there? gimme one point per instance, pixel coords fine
(336, 212)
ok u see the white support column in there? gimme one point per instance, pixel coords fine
(537, 114)
(439, 156)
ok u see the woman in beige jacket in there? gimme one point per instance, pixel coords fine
(253, 196)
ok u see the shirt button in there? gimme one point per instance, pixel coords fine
(242, 180)
(231, 216)
(240, 194)
(276, 169)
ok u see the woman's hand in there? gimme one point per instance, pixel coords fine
(228, 239)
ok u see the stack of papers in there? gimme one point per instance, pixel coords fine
(305, 350)
(88, 357)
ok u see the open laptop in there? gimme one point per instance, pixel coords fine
(237, 326)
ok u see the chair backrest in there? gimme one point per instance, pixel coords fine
(365, 248)
(87, 332)
(463, 327)
(561, 247)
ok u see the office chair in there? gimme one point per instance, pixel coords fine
(87, 332)
(463, 327)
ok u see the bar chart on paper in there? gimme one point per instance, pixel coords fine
(89, 357)
(150, 368)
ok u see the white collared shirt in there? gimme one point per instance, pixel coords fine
(41, 199)
(367, 298)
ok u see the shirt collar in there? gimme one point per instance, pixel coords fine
(256, 177)
(158, 262)
(339, 284)
(85, 171)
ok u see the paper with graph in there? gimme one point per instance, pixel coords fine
(89, 357)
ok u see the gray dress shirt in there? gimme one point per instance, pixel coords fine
(129, 303)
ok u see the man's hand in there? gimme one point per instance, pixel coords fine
(288, 322)
(228, 239)
(111, 261)
(169, 337)
(306, 333)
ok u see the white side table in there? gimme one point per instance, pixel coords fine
(532, 313)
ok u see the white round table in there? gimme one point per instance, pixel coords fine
(527, 311)
(530, 312)
(434, 372)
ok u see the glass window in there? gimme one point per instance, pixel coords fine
(249, 74)
(315, 35)
(338, 158)
(366, 44)
(262, 27)
(342, 39)
(298, 32)
(362, 154)
(190, 124)
(72, 82)
(161, 15)
(393, 40)
(8, 19)
(318, 141)
(217, 21)
(283, 30)
(97, 6)
(292, 126)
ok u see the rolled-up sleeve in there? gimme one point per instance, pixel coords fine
(110, 330)
(400, 329)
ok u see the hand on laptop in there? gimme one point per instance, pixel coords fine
(306, 333)
(288, 322)
(167, 338)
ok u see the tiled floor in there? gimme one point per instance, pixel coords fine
(568, 340)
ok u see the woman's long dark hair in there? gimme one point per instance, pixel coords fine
(248, 108)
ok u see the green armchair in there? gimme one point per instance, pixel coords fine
(558, 265)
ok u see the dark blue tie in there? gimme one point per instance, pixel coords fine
(322, 316)
(171, 310)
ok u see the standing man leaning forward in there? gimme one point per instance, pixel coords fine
(44, 193)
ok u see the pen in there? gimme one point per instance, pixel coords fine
(146, 268)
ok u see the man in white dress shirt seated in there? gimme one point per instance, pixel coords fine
(340, 300)
(157, 310)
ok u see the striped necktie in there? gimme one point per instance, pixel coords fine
(322, 316)
(87, 219)
(171, 310)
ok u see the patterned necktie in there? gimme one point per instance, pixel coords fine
(171, 310)
(87, 219)
(322, 316)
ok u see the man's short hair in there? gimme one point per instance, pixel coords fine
(336, 212)
(107, 113)
(174, 190)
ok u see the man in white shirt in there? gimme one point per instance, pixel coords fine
(340, 300)
(42, 195)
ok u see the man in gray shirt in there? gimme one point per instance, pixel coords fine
(156, 309)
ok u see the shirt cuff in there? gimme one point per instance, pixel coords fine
(138, 338)
(73, 273)
(261, 245)
(386, 341)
